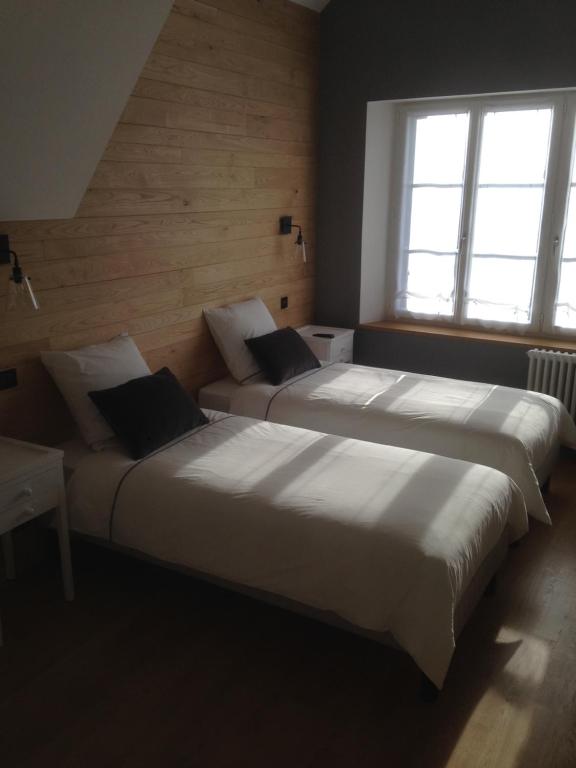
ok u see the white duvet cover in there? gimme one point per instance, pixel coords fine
(509, 429)
(385, 538)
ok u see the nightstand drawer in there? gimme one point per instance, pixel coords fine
(24, 499)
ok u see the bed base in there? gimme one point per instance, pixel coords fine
(428, 691)
(482, 583)
(544, 471)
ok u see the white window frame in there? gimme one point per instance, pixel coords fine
(556, 190)
(566, 157)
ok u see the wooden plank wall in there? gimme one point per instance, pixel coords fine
(216, 142)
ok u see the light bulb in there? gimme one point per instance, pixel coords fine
(301, 242)
(20, 295)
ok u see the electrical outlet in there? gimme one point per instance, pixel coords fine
(8, 378)
(284, 302)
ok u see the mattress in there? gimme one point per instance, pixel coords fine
(512, 430)
(387, 539)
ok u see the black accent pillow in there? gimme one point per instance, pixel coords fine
(148, 412)
(282, 355)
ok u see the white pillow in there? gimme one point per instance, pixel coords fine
(96, 367)
(231, 325)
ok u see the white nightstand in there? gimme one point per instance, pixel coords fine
(338, 349)
(31, 484)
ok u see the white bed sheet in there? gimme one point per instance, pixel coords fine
(512, 430)
(385, 538)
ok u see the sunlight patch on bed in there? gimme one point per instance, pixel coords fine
(367, 503)
(523, 411)
(348, 385)
(444, 399)
(380, 393)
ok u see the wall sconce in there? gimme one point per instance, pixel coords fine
(286, 228)
(20, 293)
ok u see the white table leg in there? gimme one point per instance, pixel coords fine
(8, 553)
(64, 542)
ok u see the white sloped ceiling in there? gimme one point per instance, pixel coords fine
(68, 68)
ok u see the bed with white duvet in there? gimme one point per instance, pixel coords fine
(384, 538)
(515, 431)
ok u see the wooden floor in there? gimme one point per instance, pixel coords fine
(151, 668)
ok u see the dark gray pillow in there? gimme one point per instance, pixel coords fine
(282, 355)
(148, 412)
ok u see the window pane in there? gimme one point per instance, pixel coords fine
(507, 221)
(566, 301)
(508, 213)
(500, 289)
(430, 283)
(433, 203)
(435, 219)
(515, 146)
(565, 316)
(440, 154)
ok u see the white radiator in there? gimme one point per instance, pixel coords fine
(553, 373)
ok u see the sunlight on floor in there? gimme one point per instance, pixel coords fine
(514, 697)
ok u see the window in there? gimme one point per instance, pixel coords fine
(486, 201)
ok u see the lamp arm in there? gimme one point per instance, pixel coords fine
(17, 275)
(300, 238)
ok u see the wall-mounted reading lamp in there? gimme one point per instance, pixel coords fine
(20, 293)
(286, 228)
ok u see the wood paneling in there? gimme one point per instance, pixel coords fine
(216, 142)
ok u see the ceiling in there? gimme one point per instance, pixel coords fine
(315, 5)
(68, 68)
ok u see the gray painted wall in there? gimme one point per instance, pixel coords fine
(67, 70)
(455, 358)
(372, 50)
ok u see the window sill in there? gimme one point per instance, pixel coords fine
(425, 329)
